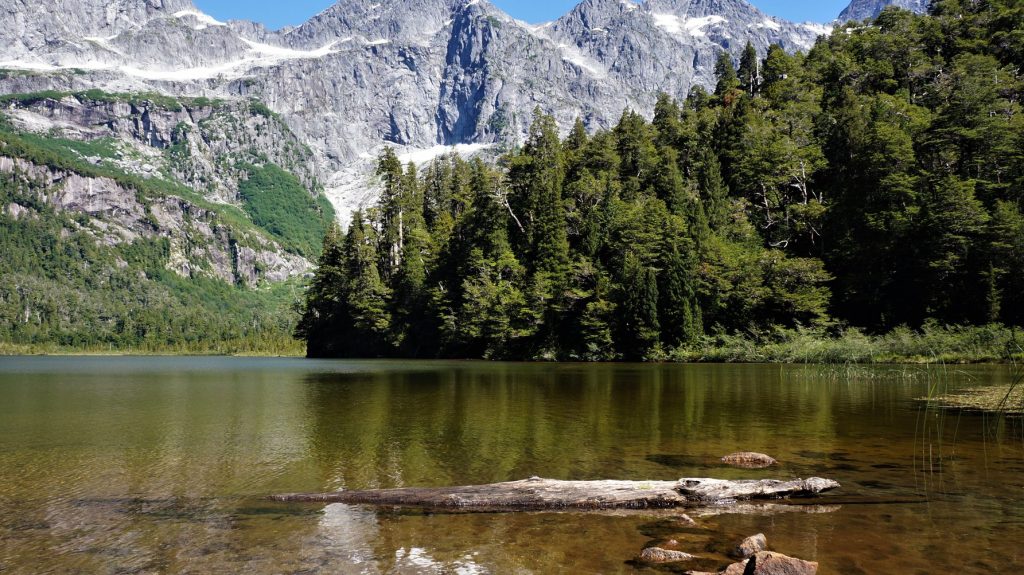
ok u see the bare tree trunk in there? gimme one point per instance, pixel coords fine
(537, 494)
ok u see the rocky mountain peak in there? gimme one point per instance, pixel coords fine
(406, 21)
(864, 9)
(700, 8)
(422, 75)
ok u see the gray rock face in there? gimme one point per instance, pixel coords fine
(201, 246)
(416, 74)
(199, 146)
(859, 10)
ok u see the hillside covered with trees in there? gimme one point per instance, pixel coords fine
(873, 183)
(94, 257)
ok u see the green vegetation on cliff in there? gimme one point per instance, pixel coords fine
(70, 281)
(276, 201)
(874, 184)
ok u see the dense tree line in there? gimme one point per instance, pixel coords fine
(875, 182)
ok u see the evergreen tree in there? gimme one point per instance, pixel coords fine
(725, 75)
(367, 295)
(391, 237)
(639, 324)
(680, 315)
(749, 73)
(323, 312)
(879, 178)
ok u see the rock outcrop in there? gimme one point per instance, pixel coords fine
(200, 243)
(198, 142)
(859, 10)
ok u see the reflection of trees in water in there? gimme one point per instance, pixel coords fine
(480, 423)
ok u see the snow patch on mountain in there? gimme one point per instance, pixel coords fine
(678, 25)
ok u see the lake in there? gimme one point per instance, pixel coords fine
(163, 465)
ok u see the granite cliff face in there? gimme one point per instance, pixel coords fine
(416, 74)
(200, 243)
(201, 145)
(859, 10)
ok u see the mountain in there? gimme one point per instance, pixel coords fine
(146, 222)
(859, 10)
(176, 165)
(421, 75)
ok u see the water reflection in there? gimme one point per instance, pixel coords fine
(160, 466)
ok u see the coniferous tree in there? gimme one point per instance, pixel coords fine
(367, 294)
(323, 312)
(749, 73)
(725, 75)
(639, 310)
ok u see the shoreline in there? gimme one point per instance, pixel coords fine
(914, 361)
(931, 345)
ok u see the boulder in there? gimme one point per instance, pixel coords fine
(749, 459)
(736, 568)
(768, 563)
(752, 546)
(659, 555)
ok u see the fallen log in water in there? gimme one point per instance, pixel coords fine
(536, 494)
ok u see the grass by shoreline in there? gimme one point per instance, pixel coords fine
(933, 344)
(226, 350)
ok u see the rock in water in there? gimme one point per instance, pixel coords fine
(752, 546)
(736, 568)
(768, 563)
(749, 459)
(659, 555)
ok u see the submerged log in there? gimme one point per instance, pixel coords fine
(538, 494)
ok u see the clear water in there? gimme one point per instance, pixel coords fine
(163, 465)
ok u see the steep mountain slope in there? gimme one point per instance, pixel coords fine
(418, 74)
(864, 9)
(150, 222)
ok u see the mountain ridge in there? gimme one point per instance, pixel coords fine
(860, 10)
(419, 75)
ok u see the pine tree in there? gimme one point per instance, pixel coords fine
(725, 75)
(537, 205)
(638, 156)
(324, 310)
(679, 312)
(392, 238)
(639, 318)
(367, 295)
(749, 72)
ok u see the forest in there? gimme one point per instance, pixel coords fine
(870, 189)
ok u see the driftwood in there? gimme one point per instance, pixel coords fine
(536, 494)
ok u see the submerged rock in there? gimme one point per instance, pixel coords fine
(752, 546)
(768, 563)
(749, 459)
(659, 555)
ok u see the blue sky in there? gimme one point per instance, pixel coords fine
(276, 14)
